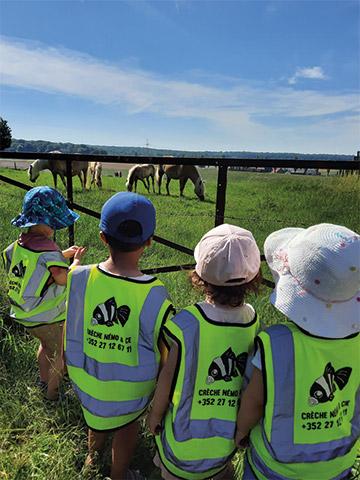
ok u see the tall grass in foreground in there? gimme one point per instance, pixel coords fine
(41, 440)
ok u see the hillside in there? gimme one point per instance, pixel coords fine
(43, 146)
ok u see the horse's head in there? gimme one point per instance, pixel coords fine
(200, 189)
(32, 175)
(128, 186)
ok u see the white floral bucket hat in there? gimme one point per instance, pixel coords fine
(317, 278)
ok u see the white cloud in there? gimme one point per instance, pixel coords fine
(235, 110)
(309, 72)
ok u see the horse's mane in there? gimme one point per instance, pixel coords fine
(131, 173)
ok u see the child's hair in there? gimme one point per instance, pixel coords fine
(231, 296)
(123, 247)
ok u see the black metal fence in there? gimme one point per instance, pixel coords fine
(222, 164)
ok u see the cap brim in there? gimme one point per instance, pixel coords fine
(56, 223)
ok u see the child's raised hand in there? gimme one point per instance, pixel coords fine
(70, 252)
(241, 439)
(80, 252)
(153, 422)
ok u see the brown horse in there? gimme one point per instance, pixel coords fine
(94, 171)
(58, 167)
(182, 173)
(140, 172)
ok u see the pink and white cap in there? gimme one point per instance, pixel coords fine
(226, 256)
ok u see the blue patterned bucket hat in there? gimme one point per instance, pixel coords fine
(45, 206)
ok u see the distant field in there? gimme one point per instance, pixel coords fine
(39, 441)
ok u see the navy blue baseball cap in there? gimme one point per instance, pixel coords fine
(128, 217)
(45, 206)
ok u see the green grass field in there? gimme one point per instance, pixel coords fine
(46, 441)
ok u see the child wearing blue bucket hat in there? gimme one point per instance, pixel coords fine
(37, 276)
(113, 332)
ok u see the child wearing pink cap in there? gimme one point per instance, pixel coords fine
(197, 396)
(302, 403)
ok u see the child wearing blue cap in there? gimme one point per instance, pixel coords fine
(112, 342)
(37, 276)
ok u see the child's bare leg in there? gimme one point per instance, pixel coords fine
(56, 372)
(123, 447)
(43, 356)
(96, 442)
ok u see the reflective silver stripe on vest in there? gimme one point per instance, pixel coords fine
(35, 280)
(184, 427)
(44, 317)
(269, 473)
(282, 436)
(193, 466)
(53, 293)
(8, 253)
(102, 408)
(76, 357)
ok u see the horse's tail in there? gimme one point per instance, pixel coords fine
(98, 170)
(159, 173)
(88, 175)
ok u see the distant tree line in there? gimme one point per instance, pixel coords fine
(43, 146)
(142, 151)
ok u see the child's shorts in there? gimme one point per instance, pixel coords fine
(166, 475)
(49, 334)
(248, 473)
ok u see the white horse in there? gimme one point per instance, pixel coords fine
(182, 173)
(94, 171)
(141, 172)
(58, 167)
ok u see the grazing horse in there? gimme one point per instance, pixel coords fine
(94, 171)
(141, 172)
(182, 173)
(58, 167)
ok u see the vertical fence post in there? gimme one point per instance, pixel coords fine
(70, 198)
(221, 195)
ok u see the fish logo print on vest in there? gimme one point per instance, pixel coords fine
(322, 390)
(224, 367)
(108, 313)
(19, 270)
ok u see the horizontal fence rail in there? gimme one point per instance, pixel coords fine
(221, 163)
(208, 161)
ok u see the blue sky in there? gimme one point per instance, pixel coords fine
(275, 76)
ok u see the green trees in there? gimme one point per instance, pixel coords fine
(5, 134)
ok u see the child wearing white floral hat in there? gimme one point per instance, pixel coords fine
(302, 403)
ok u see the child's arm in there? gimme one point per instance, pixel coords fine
(60, 274)
(163, 352)
(251, 409)
(161, 399)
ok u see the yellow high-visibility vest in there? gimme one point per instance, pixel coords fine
(197, 438)
(311, 422)
(33, 301)
(113, 325)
